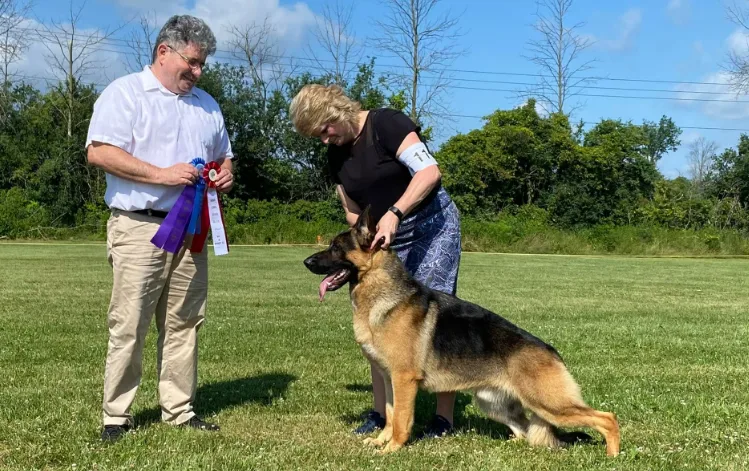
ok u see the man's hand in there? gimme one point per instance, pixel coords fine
(178, 174)
(225, 180)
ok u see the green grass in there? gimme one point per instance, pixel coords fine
(660, 342)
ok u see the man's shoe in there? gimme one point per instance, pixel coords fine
(200, 424)
(374, 421)
(439, 427)
(112, 433)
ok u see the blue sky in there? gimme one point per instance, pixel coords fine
(670, 40)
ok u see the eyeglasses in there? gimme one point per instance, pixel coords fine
(194, 64)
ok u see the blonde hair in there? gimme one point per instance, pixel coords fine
(317, 105)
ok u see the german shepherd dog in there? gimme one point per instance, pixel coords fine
(428, 339)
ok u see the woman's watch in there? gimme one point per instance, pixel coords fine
(397, 212)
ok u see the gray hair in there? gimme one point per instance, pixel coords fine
(180, 30)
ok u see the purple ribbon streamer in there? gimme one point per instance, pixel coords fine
(171, 233)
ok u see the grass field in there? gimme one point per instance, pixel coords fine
(661, 342)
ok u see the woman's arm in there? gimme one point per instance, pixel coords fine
(426, 176)
(351, 209)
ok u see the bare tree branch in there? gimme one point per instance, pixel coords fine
(738, 62)
(13, 41)
(253, 45)
(339, 53)
(557, 54)
(701, 155)
(425, 41)
(142, 42)
(70, 53)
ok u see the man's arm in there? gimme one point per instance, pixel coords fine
(116, 161)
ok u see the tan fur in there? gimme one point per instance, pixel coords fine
(541, 433)
(397, 335)
(544, 385)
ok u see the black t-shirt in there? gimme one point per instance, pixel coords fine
(368, 169)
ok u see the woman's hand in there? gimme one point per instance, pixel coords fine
(386, 229)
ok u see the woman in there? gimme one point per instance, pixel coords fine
(377, 159)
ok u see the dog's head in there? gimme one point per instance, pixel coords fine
(347, 255)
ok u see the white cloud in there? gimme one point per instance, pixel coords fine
(540, 109)
(718, 99)
(738, 42)
(731, 106)
(629, 25)
(37, 65)
(678, 11)
(290, 23)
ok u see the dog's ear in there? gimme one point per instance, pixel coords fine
(365, 228)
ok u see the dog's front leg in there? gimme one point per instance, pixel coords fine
(405, 386)
(387, 432)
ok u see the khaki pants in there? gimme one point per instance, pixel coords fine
(149, 280)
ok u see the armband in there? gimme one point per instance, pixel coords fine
(417, 157)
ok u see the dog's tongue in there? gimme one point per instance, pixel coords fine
(324, 285)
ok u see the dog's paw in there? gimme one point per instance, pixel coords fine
(390, 448)
(374, 442)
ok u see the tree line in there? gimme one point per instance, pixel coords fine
(532, 156)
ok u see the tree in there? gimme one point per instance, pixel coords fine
(624, 138)
(337, 40)
(13, 41)
(70, 52)
(38, 157)
(738, 61)
(701, 155)
(425, 42)
(661, 138)
(254, 46)
(142, 42)
(511, 160)
(606, 180)
(250, 122)
(557, 53)
(728, 176)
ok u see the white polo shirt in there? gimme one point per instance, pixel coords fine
(137, 114)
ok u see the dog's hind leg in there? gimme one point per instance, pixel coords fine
(499, 405)
(546, 387)
(542, 433)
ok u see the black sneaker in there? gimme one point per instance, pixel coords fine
(200, 424)
(439, 427)
(374, 421)
(112, 433)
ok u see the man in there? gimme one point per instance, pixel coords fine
(145, 130)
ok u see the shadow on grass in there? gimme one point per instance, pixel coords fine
(215, 397)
